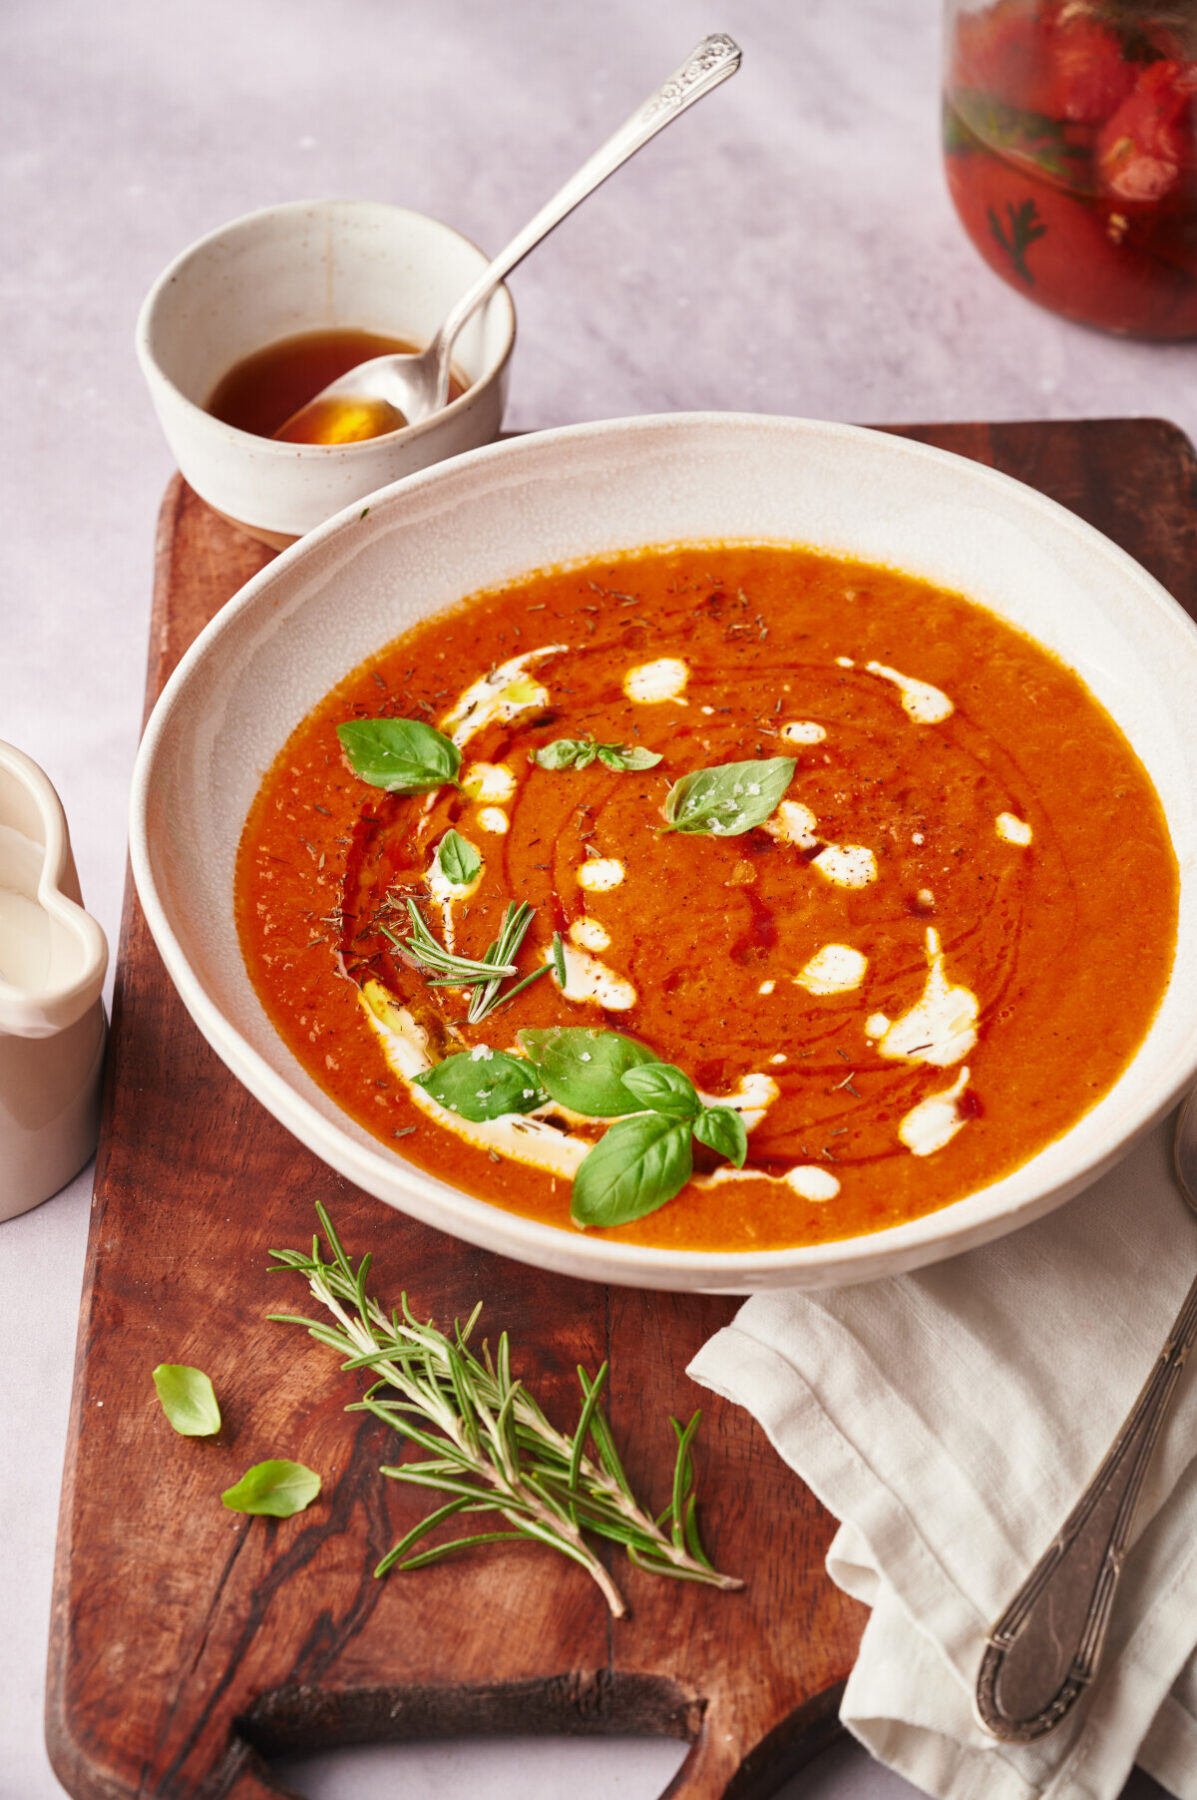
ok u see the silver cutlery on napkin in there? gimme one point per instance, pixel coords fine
(1045, 1649)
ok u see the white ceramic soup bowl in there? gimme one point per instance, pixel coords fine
(565, 495)
(314, 265)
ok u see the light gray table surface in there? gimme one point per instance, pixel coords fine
(787, 248)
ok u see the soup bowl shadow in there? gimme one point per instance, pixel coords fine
(566, 496)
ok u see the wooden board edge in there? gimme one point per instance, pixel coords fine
(70, 1761)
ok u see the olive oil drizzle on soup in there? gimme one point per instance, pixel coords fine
(939, 950)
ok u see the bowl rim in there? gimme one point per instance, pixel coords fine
(248, 440)
(892, 1250)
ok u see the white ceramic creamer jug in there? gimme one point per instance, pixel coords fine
(52, 962)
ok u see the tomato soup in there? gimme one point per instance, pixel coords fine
(824, 897)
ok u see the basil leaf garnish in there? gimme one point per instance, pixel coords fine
(404, 756)
(730, 798)
(721, 1129)
(583, 1067)
(664, 1089)
(459, 861)
(276, 1487)
(637, 1165)
(567, 753)
(628, 756)
(579, 753)
(486, 1086)
(188, 1399)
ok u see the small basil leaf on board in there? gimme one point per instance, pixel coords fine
(664, 1089)
(188, 1399)
(637, 1165)
(628, 756)
(459, 861)
(721, 1129)
(583, 1067)
(278, 1488)
(567, 753)
(730, 798)
(483, 1087)
(404, 756)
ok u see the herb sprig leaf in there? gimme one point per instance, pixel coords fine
(277, 1487)
(489, 1446)
(730, 798)
(579, 753)
(637, 1165)
(188, 1399)
(457, 859)
(629, 756)
(482, 1084)
(722, 1129)
(582, 1067)
(484, 974)
(404, 756)
(984, 122)
(664, 1089)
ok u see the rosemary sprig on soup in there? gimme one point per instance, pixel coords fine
(720, 897)
(486, 974)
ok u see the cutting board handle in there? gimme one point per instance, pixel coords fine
(715, 1769)
(708, 1771)
(728, 1760)
(252, 1782)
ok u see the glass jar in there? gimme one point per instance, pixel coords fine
(1070, 140)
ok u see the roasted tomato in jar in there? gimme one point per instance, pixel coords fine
(1070, 137)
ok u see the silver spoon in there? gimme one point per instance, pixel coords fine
(418, 384)
(1044, 1650)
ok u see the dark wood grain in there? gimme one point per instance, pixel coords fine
(190, 1645)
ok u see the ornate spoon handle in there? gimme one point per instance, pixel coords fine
(711, 62)
(1045, 1648)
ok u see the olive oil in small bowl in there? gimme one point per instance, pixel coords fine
(263, 392)
(265, 311)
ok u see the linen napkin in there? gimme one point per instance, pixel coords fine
(950, 1420)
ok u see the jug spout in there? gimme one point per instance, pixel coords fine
(52, 963)
(53, 955)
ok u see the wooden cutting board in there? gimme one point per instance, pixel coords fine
(189, 1644)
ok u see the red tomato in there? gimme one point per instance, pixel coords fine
(1144, 145)
(1044, 59)
(1088, 77)
(1066, 252)
(997, 50)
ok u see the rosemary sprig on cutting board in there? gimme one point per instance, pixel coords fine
(490, 1447)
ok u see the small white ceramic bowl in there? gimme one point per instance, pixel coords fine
(584, 491)
(313, 266)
